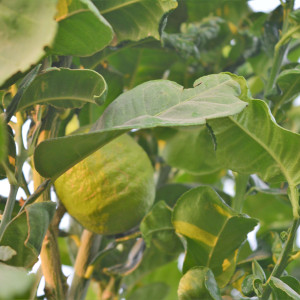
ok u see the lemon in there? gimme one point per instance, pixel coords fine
(111, 190)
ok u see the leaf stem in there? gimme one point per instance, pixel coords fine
(8, 208)
(241, 181)
(283, 259)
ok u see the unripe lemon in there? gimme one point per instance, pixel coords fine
(111, 190)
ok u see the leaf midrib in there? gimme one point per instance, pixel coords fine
(71, 98)
(108, 10)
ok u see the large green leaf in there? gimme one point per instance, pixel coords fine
(26, 27)
(251, 142)
(274, 211)
(198, 283)
(82, 31)
(135, 20)
(152, 104)
(214, 232)
(25, 233)
(65, 88)
(191, 149)
(157, 229)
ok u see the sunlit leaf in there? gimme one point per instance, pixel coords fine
(30, 228)
(152, 104)
(198, 283)
(65, 88)
(26, 27)
(214, 231)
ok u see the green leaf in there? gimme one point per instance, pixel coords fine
(170, 193)
(82, 31)
(152, 104)
(251, 142)
(214, 232)
(274, 211)
(30, 228)
(155, 290)
(289, 84)
(258, 271)
(26, 28)
(157, 229)
(191, 149)
(15, 282)
(135, 20)
(198, 283)
(285, 290)
(3, 140)
(247, 286)
(65, 88)
(168, 274)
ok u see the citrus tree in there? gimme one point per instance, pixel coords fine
(138, 116)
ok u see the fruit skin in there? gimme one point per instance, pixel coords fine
(110, 191)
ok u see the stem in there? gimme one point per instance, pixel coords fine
(6, 217)
(279, 52)
(89, 246)
(55, 282)
(241, 181)
(41, 188)
(283, 259)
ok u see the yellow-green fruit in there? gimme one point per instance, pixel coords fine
(111, 190)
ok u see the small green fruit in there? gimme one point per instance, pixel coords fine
(110, 191)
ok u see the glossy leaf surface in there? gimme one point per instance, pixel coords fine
(82, 31)
(214, 232)
(152, 104)
(65, 88)
(198, 283)
(26, 27)
(135, 20)
(30, 227)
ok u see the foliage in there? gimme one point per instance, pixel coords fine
(207, 89)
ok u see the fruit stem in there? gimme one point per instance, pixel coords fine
(89, 246)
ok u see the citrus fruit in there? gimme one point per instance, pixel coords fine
(111, 190)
